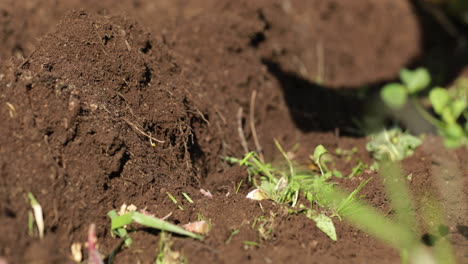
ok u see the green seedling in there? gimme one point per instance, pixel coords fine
(348, 154)
(346, 206)
(30, 223)
(187, 197)
(320, 152)
(265, 226)
(174, 200)
(149, 221)
(449, 105)
(166, 255)
(394, 144)
(120, 232)
(357, 170)
(251, 243)
(323, 223)
(234, 233)
(399, 232)
(238, 186)
(38, 215)
(395, 95)
(286, 186)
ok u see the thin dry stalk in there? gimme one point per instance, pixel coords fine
(252, 125)
(136, 128)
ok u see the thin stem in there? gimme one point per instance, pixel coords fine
(423, 112)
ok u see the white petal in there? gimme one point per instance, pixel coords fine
(256, 194)
(199, 227)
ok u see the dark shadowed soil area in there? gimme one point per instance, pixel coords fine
(110, 102)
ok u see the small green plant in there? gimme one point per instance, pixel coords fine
(347, 205)
(38, 216)
(174, 200)
(394, 144)
(187, 197)
(287, 186)
(401, 232)
(234, 233)
(119, 222)
(251, 243)
(450, 105)
(120, 232)
(265, 225)
(395, 95)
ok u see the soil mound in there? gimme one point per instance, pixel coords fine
(94, 116)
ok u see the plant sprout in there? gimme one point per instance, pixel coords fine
(149, 221)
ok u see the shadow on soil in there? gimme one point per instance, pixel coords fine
(313, 107)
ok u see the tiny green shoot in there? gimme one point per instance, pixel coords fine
(174, 200)
(150, 221)
(234, 233)
(319, 152)
(38, 215)
(238, 186)
(187, 197)
(358, 169)
(30, 223)
(120, 232)
(251, 243)
(346, 205)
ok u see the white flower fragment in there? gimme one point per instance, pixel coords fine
(206, 193)
(199, 227)
(76, 251)
(127, 208)
(257, 195)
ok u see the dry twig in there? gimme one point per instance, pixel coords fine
(252, 125)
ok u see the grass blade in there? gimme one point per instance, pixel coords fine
(38, 215)
(121, 232)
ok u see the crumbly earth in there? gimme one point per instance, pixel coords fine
(112, 102)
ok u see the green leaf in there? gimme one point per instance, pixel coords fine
(150, 221)
(452, 143)
(323, 223)
(394, 95)
(439, 98)
(121, 220)
(121, 232)
(357, 169)
(157, 223)
(453, 131)
(457, 108)
(415, 80)
(319, 151)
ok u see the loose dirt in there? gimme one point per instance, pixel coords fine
(122, 101)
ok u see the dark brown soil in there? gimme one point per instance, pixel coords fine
(112, 102)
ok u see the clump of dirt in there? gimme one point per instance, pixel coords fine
(95, 118)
